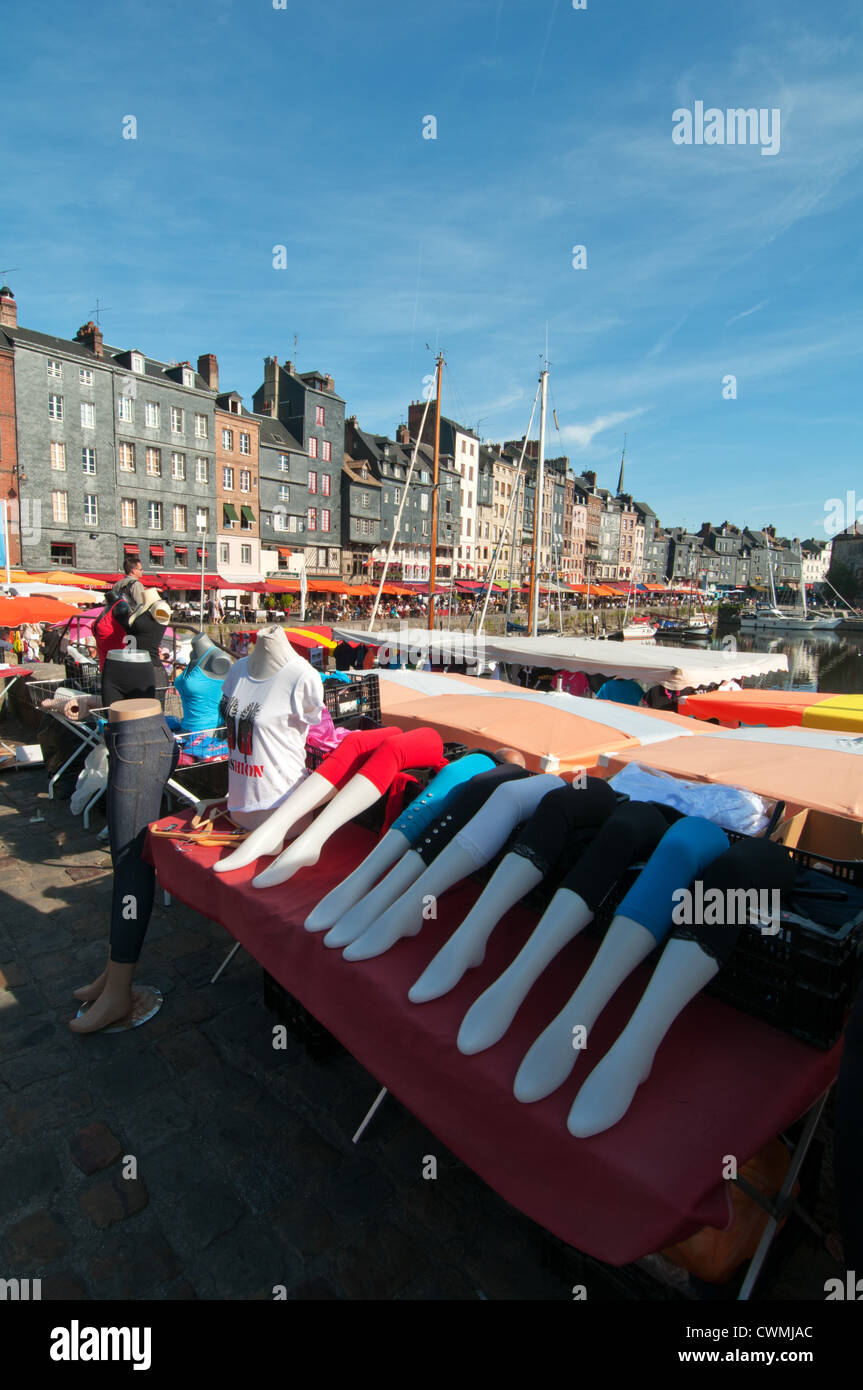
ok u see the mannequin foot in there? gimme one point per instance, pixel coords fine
(547, 1064)
(294, 858)
(112, 1006)
(444, 972)
(352, 925)
(486, 1021)
(381, 935)
(87, 993)
(607, 1093)
(262, 842)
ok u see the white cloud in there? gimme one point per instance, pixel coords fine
(582, 436)
(746, 313)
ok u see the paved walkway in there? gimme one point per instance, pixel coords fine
(246, 1177)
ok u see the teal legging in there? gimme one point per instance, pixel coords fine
(684, 852)
(437, 796)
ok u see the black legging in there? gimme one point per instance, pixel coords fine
(132, 680)
(142, 756)
(470, 799)
(560, 816)
(759, 865)
(630, 833)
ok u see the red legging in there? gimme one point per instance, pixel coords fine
(380, 753)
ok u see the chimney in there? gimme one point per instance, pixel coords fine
(589, 478)
(329, 383)
(403, 435)
(8, 309)
(91, 336)
(208, 368)
(271, 386)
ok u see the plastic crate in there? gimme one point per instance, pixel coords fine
(361, 695)
(319, 1044)
(85, 676)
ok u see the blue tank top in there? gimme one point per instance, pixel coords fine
(200, 695)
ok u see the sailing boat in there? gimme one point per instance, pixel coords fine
(773, 619)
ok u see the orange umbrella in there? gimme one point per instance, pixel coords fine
(14, 611)
(70, 577)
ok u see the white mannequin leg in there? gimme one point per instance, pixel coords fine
(348, 893)
(405, 917)
(269, 836)
(683, 971)
(552, 1057)
(382, 896)
(512, 878)
(488, 1019)
(356, 796)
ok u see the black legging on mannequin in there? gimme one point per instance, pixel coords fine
(759, 865)
(470, 800)
(142, 755)
(631, 832)
(545, 838)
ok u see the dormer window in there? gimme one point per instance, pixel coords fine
(137, 362)
(235, 407)
(188, 376)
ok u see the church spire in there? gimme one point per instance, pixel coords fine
(620, 479)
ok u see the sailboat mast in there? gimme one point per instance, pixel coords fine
(537, 510)
(433, 556)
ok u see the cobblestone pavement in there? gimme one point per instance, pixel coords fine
(246, 1175)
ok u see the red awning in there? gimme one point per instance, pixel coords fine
(200, 553)
(157, 552)
(284, 551)
(131, 548)
(181, 550)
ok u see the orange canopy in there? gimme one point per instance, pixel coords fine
(14, 611)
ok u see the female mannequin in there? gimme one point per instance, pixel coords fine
(642, 922)
(473, 846)
(142, 756)
(469, 799)
(403, 833)
(200, 684)
(421, 747)
(694, 955)
(559, 817)
(629, 835)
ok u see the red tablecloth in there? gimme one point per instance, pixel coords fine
(723, 1083)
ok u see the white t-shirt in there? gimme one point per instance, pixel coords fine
(267, 723)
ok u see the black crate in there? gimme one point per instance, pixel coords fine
(360, 695)
(85, 676)
(319, 1044)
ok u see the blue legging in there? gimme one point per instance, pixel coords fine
(415, 821)
(684, 851)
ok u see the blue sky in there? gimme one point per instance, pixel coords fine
(303, 127)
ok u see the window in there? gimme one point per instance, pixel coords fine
(200, 426)
(154, 516)
(245, 443)
(60, 506)
(85, 376)
(397, 495)
(365, 500)
(125, 410)
(188, 377)
(319, 414)
(63, 553)
(284, 492)
(284, 463)
(176, 420)
(91, 509)
(181, 557)
(228, 479)
(137, 362)
(424, 502)
(313, 448)
(224, 553)
(88, 460)
(128, 512)
(202, 519)
(245, 480)
(279, 522)
(245, 554)
(228, 440)
(178, 467)
(326, 451)
(154, 463)
(127, 458)
(58, 457)
(178, 518)
(425, 528)
(313, 481)
(325, 520)
(386, 496)
(325, 484)
(312, 519)
(55, 368)
(152, 415)
(55, 407)
(202, 470)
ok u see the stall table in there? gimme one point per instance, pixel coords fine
(722, 1083)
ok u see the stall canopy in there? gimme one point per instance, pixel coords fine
(673, 668)
(14, 611)
(779, 708)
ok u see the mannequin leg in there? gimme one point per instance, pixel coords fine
(87, 993)
(552, 1057)
(382, 896)
(405, 916)
(114, 1002)
(357, 796)
(514, 877)
(683, 971)
(269, 836)
(358, 884)
(489, 1017)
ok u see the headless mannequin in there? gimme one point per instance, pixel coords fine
(209, 658)
(110, 996)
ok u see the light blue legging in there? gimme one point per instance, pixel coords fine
(415, 821)
(685, 851)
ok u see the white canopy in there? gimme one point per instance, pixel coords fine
(638, 661)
